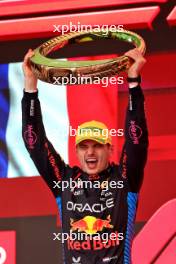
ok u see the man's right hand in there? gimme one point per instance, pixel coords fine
(30, 81)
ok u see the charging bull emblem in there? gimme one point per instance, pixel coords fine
(90, 224)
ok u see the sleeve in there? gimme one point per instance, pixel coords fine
(134, 152)
(48, 162)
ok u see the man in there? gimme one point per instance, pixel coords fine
(100, 214)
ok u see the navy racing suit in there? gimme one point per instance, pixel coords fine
(98, 217)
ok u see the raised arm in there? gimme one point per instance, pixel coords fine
(46, 159)
(134, 153)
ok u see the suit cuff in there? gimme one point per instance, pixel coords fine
(33, 95)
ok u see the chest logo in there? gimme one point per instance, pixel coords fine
(90, 224)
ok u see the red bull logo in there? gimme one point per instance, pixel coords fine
(98, 243)
(90, 224)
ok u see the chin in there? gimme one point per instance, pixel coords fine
(92, 172)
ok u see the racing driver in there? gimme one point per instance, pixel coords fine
(98, 212)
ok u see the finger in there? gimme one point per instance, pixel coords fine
(135, 54)
(132, 52)
(130, 55)
(28, 55)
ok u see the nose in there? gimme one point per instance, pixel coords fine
(90, 151)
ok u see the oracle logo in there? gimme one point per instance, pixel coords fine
(3, 255)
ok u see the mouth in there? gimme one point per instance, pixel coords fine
(91, 163)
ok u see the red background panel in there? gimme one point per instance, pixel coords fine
(26, 197)
(157, 235)
(158, 188)
(171, 19)
(38, 27)
(12, 8)
(158, 73)
(8, 247)
(168, 256)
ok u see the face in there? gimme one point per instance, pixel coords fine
(93, 156)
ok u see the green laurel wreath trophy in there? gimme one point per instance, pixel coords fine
(47, 69)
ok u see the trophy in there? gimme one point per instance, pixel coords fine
(47, 69)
